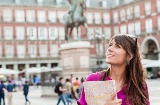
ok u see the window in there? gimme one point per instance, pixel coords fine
(137, 11)
(9, 52)
(122, 13)
(0, 51)
(130, 13)
(131, 28)
(107, 32)
(148, 8)
(90, 32)
(41, 16)
(8, 33)
(103, 4)
(43, 50)
(40, 1)
(159, 22)
(99, 49)
(30, 15)
(20, 51)
(87, 3)
(115, 17)
(7, 15)
(42, 33)
(54, 50)
(116, 30)
(32, 33)
(148, 25)
(137, 28)
(61, 33)
(59, 1)
(60, 16)
(106, 18)
(84, 61)
(52, 16)
(158, 5)
(53, 33)
(89, 18)
(97, 17)
(20, 33)
(19, 15)
(32, 51)
(123, 29)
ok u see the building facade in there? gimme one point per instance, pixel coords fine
(31, 32)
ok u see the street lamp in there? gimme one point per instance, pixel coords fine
(98, 39)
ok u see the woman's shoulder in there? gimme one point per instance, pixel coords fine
(94, 76)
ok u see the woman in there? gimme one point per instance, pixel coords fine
(126, 69)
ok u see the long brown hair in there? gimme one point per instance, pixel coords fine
(136, 91)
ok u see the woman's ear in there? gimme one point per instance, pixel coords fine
(130, 56)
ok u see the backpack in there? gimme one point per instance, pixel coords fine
(77, 90)
(56, 89)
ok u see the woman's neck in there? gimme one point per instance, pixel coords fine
(118, 73)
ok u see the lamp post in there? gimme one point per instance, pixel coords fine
(98, 39)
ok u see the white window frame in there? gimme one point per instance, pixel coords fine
(9, 51)
(42, 33)
(32, 51)
(97, 17)
(52, 17)
(90, 33)
(61, 33)
(107, 32)
(123, 29)
(30, 16)
(136, 11)
(43, 50)
(158, 5)
(32, 33)
(87, 3)
(89, 17)
(130, 13)
(131, 28)
(53, 33)
(8, 32)
(123, 15)
(60, 16)
(19, 16)
(148, 8)
(21, 51)
(20, 33)
(7, 15)
(0, 51)
(137, 28)
(116, 30)
(41, 16)
(54, 50)
(106, 18)
(158, 19)
(115, 17)
(99, 49)
(148, 25)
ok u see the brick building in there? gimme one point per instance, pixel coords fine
(32, 31)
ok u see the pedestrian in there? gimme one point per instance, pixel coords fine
(9, 93)
(2, 94)
(126, 69)
(60, 91)
(76, 85)
(68, 86)
(26, 91)
(81, 86)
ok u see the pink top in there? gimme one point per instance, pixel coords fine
(96, 77)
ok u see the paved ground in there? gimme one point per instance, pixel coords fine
(36, 99)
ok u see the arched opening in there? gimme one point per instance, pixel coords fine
(151, 50)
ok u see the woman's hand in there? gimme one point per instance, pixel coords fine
(113, 101)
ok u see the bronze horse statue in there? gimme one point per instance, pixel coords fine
(78, 19)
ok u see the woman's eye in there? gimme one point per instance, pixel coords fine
(118, 46)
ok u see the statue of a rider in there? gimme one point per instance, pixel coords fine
(73, 4)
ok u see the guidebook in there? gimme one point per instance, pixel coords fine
(97, 92)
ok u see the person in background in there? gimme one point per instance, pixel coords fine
(2, 94)
(37, 81)
(68, 86)
(26, 91)
(127, 71)
(76, 87)
(61, 90)
(81, 86)
(9, 94)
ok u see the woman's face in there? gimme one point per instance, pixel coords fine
(115, 54)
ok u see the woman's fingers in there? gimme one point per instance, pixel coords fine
(113, 97)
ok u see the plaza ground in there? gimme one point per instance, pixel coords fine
(36, 99)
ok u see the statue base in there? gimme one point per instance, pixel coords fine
(75, 58)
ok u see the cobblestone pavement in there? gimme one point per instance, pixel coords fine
(36, 99)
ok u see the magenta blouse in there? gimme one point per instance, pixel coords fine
(96, 77)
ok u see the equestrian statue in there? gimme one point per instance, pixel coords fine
(74, 18)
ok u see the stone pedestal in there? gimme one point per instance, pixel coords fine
(75, 58)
